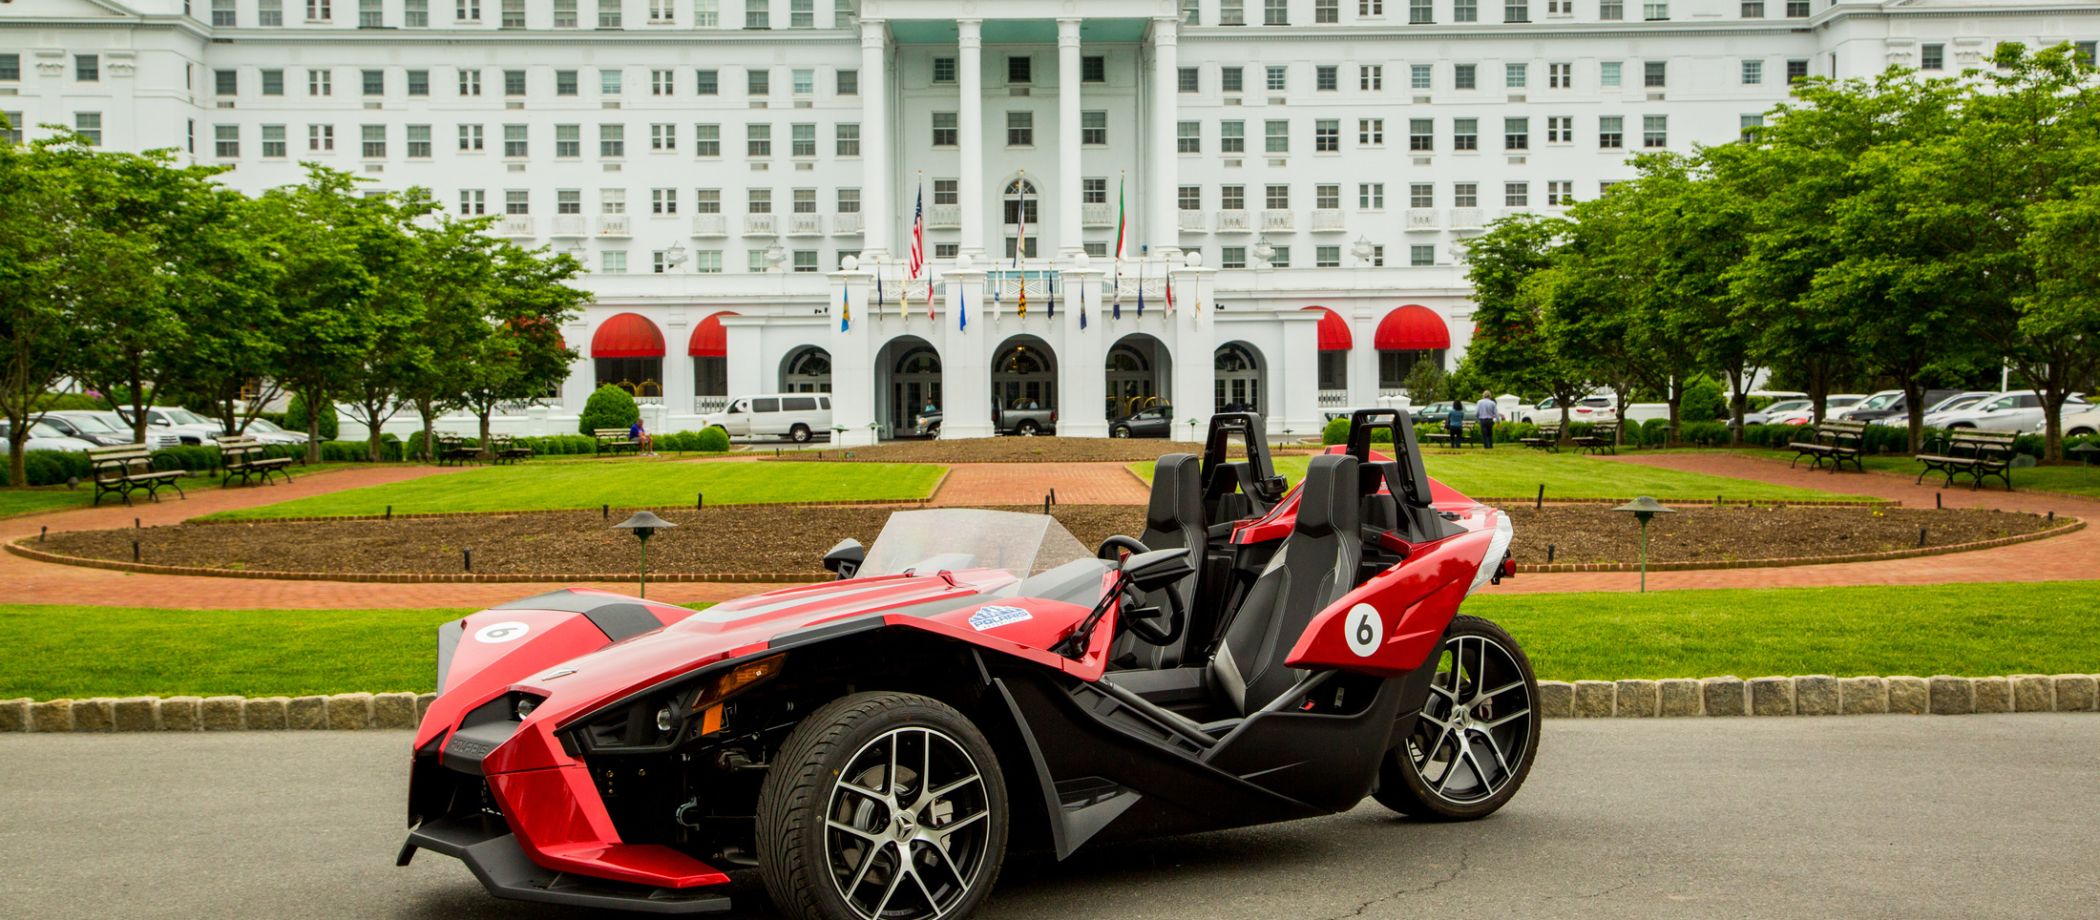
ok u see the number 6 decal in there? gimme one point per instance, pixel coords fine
(1364, 629)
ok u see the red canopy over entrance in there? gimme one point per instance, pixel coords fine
(1334, 331)
(628, 335)
(710, 340)
(1412, 328)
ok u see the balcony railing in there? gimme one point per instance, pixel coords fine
(710, 225)
(848, 224)
(760, 225)
(705, 404)
(805, 225)
(1277, 219)
(1193, 222)
(1327, 219)
(569, 225)
(1098, 214)
(519, 225)
(1422, 219)
(1233, 221)
(614, 225)
(1465, 218)
(944, 216)
(1333, 399)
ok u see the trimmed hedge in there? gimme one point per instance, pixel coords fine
(608, 407)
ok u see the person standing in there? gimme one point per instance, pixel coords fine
(1486, 414)
(1455, 424)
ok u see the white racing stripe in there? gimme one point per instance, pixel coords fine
(1497, 546)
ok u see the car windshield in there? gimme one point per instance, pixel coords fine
(1958, 402)
(185, 417)
(970, 538)
(265, 426)
(1878, 401)
(92, 423)
(2002, 402)
(1791, 405)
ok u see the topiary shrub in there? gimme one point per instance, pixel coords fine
(608, 407)
(1703, 401)
(715, 440)
(295, 419)
(1336, 432)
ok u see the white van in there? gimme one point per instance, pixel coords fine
(797, 417)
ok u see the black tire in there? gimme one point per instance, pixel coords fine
(1028, 427)
(1959, 426)
(1403, 784)
(799, 434)
(1120, 431)
(2079, 433)
(811, 792)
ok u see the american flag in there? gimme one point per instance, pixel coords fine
(918, 248)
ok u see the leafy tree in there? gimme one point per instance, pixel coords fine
(319, 231)
(1425, 381)
(450, 278)
(522, 356)
(44, 238)
(1511, 347)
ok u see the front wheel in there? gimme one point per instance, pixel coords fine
(1477, 735)
(1120, 431)
(882, 806)
(799, 434)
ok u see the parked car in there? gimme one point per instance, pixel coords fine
(2078, 424)
(798, 417)
(90, 426)
(1890, 404)
(1591, 408)
(1935, 410)
(2013, 410)
(927, 424)
(41, 437)
(1156, 422)
(1024, 417)
(188, 427)
(1432, 414)
(1833, 407)
(270, 432)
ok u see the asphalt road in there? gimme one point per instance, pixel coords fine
(1914, 817)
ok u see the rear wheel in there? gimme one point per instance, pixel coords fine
(882, 806)
(1478, 732)
(799, 434)
(1028, 427)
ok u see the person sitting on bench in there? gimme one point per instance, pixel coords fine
(643, 443)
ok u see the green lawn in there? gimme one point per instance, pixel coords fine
(1970, 630)
(621, 484)
(2068, 479)
(1518, 473)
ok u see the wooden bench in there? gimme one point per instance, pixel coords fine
(1602, 439)
(1548, 438)
(505, 449)
(615, 440)
(1969, 452)
(125, 468)
(453, 449)
(244, 456)
(1836, 443)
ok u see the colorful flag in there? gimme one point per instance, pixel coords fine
(1170, 291)
(845, 309)
(962, 311)
(1024, 294)
(1117, 278)
(997, 280)
(1082, 306)
(1021, 240)
(1053, 295)
(1141, 286)
(880, 302)
(918, 252)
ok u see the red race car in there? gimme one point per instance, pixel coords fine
(978, 680)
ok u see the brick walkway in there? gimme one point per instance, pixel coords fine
(977, 484)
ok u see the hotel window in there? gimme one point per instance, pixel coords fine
(374, 82)
(1020, 69)
(707, 140)
(1655, 74)
(1279, 78)
(1280, 257)
(415, 14)
(849, 201)
(848, 135)
(612, 141)
(1560, 7)
(1093, 128)
(806, 260)
(470, 138)
(1232, 197)
(802, 81)
(608, 14)
(1516, 11)
(1796, 9)
(1276, 136)
(1611, 10)
(568, 201)
(1560, 76)
(1370, 196)
(1657, 10)
(1189, 79)
(707, 261)
(1796, 70)
(565, 14)
(226, 141)
(1093, 68)
(470, 83)
(1327, 197)
(758, 141)
(1276, 12)
(660, 13)
(568, 141)
(944, 129)
(1516, 134)
(222, 13)
(1747, 125)
(1419, 76)
(1516, 194)
(804, 201)
(1370, 9)
(1655, 131)
(270, 13)
(1421, 255)
(1232, 12)
(1370, 78)
(1465, 134)
(802, 140)
(1327, 136)
(462, 11)
(944, 191)
(319, 11)
(707, 82)
(612, 201)
(1560, 193)
(1232, 137)
(1421, 195)
(610, 82)
(663, 201)
(565, 83)
(1277, 197)
(1421, 134)
(1020, 129)
(1560, 129)
(944, 70)
(419, 142)
(802, 14)
(1370, 132)
(513, 14)
(1611, 132)
(374, 137)
(419, 83)
(1753, 9)
(320, 138)
(1423, 12)
(473, 202)
(273, 146)
(1327, 78)
(1932, 57)
(663, 137)
(1608, 73)
(1232, 79)
(707, 14)
(1093, 191)
(1327, 11)
(370, 14)
(1327, 257)
(1465, 194)
(2088, 53)
(1188, 137)
(659, 261)
(1189, 198)
(89, 125)
(1464, 76)
(661, 83)
(1232, 257)
(613, 262)
(226, 82)
(1753, 72)
(758, 82)
(707, 201)
(1515, 76)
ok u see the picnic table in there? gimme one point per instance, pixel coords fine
(1969, 452)
(615, 440)
(126, 468)
(1836, 443)
(247, 457)
(1602, 439)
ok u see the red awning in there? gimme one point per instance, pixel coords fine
(710, 340)
(627, 335)
(1334, 331)
(1412, 328)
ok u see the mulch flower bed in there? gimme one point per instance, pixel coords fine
(793, 540)
(1009, 450)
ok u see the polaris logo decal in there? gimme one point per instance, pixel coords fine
(497, 633)
(989, 617)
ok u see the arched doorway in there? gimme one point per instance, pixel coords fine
(1024, 380)
(806, 370)
(1139, 369)
(1407, 336)
(1238, 383)
(709, 349)
(627, 351)
(907, 381)
(1017, 208)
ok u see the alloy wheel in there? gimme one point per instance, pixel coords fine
(906, 829)
(1475, 729)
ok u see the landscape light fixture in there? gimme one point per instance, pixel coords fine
(2085, 454)
(1643, 510)
(644, 524)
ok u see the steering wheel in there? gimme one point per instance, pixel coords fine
(1143, 627)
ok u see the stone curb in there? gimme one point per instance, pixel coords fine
(1812, 695)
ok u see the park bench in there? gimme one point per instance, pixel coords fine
(246, 457)
(453, 449)
(1602, 439)
(615, 440)
(125, 468)
(1836, 443)
(1972, 453)
(505, 449)
(1547, 439)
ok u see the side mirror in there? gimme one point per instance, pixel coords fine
(1157, 569)
(844, 560)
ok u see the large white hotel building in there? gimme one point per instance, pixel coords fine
(740, 176)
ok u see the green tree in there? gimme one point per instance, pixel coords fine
(522, 356)
(45, 242)
(1511, 348)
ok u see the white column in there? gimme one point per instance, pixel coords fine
(1082, 373)
(874, 137)
(1195, 344)
(1068, 157)
(970, 127)
(678, 368)
(1158, 222)
(852, 349)
(966, 363)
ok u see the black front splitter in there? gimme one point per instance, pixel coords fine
(501, 865)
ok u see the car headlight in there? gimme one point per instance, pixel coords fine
(660, 718)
